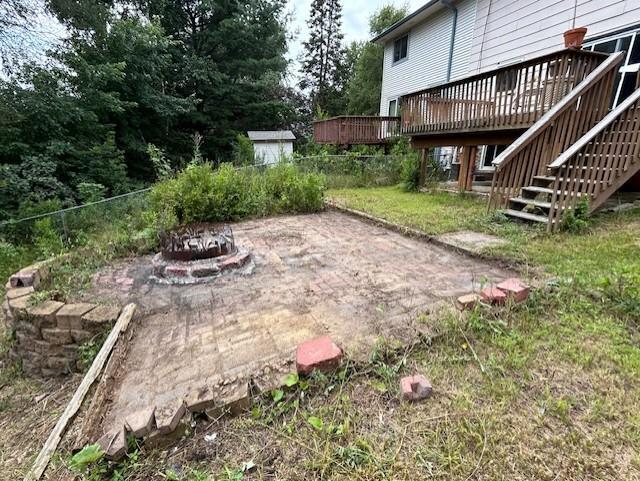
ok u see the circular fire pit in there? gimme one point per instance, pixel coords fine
(197, 253)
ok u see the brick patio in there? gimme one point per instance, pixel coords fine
(325, 274)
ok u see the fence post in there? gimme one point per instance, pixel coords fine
(65, 227)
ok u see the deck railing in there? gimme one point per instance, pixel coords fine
(532, 153)
(599, 163)
(510, 97)
(352, 129)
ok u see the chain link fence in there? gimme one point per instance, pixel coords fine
(73, 223)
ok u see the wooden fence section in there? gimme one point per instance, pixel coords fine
(561, 126)
(599, 163)
(349, 130)
(510, 97)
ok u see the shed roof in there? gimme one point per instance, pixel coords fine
(265, 135)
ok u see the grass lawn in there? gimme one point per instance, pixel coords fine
(547, 390)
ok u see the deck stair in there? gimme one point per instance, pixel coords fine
(578, 150)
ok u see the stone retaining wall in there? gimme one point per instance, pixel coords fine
(49, 334)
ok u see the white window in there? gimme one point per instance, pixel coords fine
(627, 77)
(400, 47)
(393, 108)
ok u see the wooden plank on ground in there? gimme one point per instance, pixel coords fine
(72, 408)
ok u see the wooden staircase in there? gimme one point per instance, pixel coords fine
(578, 150)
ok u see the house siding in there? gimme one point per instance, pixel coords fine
(508, 31)
(428, 52)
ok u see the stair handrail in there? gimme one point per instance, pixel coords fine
(591, 134)
(521, 142)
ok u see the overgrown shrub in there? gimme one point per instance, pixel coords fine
(575, 220)
(411, 173)
(201, 193)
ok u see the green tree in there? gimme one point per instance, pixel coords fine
(364, 86)
(323, 66)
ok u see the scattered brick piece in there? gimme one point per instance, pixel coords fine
(493, 295)
(27, 277)
(44, 314)
(70, 315)
(415, 388)
(515, 289)
(467, 302)
(141, 423)
(16, 292)
(100, 316)
(236, 260)
(57, 336)
(320, 353)
(114, 444)
(200, 400)
(168, 416)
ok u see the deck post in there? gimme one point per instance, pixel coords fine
(423, 167)
(467, 167)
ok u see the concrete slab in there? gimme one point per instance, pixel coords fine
(469, 241)
(315, 275)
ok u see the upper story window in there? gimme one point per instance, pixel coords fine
(400, 48)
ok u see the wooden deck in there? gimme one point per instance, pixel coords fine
(505, 99)
(353, 129)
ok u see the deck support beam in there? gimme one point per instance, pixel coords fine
(467, 167)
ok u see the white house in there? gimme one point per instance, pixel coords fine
(447, 40)
(270, 146)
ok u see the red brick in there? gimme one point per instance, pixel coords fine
(176, 271)
(415, 388)
(515, 289)
(493, 295)
(467, 302)
(320, 353)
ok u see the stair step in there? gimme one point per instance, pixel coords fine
(536, 203)
(546, 178)
(538, 190)
(526, 216)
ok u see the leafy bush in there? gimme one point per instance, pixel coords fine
(411, 173)
(575, 220)
(201, 193)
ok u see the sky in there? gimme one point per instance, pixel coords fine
(355, 21)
